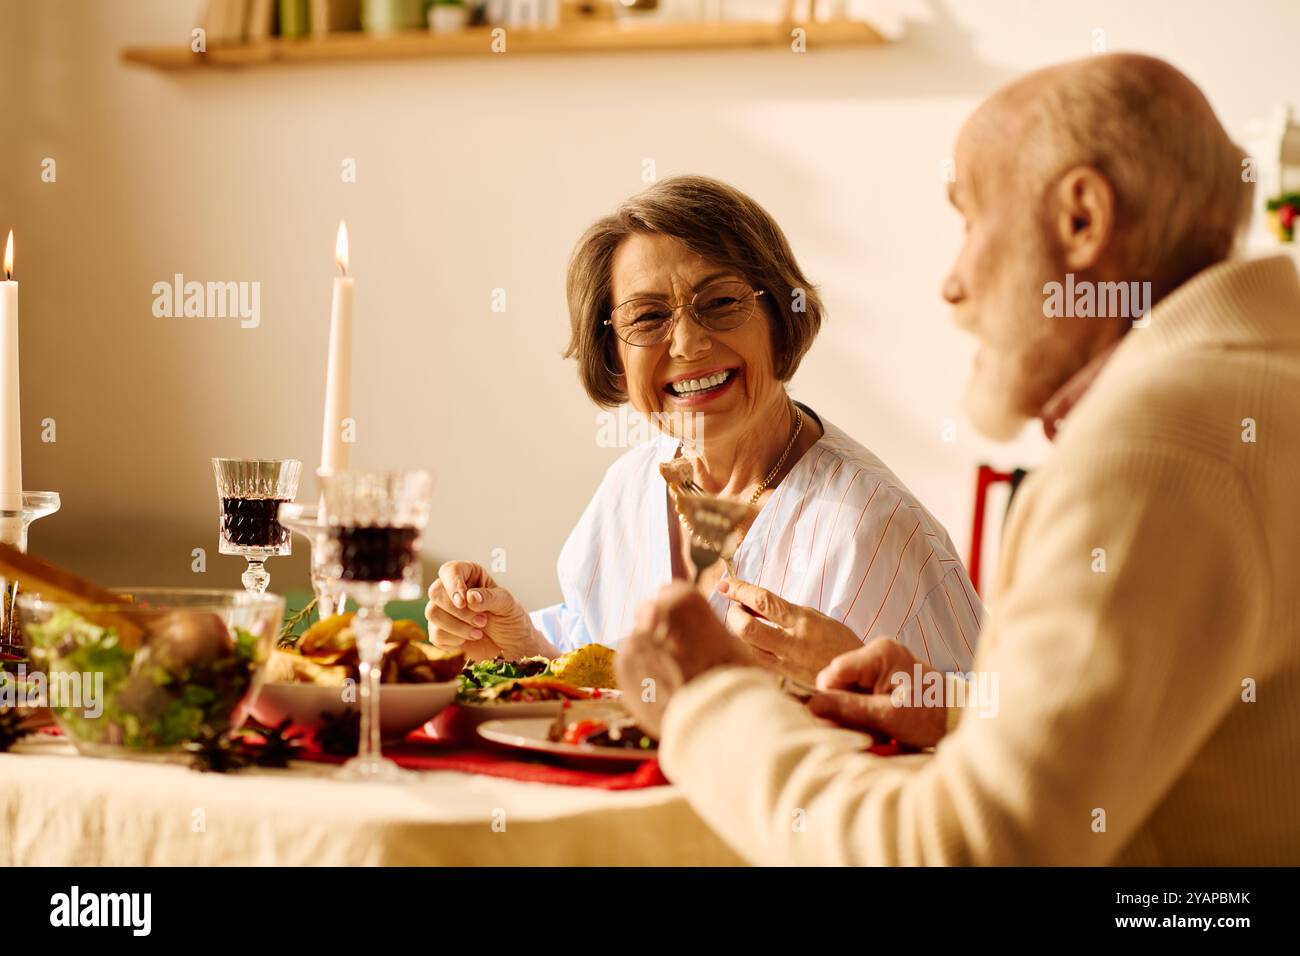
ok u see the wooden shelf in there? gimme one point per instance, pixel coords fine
(477, 41)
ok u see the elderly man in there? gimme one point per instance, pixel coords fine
(1136, 694)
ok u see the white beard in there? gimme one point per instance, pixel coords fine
(989, 412)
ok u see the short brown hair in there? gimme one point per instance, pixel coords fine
(717, 223)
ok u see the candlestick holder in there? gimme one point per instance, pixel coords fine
(305, 520)
(251, 491)
(13, 532)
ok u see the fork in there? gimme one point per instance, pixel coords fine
(705, 550)
(714, 522)
(690, 487)
(677, 472)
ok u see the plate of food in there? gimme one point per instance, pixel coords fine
(583, 730)
(317, 678)
(535, 686)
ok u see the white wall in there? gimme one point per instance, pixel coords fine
(477, 174)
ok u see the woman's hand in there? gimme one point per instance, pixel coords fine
(872, 689)
(676, 638)
(784, 637)
(469, 612)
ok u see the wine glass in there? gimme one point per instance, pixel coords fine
(304, 519)
(375, 521)
(14, 522)
(251, 491)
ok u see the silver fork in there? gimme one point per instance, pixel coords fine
(704, 551)
(677, 472)
(715, 522)
(690, 487)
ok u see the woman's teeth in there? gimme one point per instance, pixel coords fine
(694, 386)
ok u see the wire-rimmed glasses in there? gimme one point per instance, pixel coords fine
(375, 522)
(251, 491)
(720, 306)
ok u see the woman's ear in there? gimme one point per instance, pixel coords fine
(617, 378)
(1082, 217)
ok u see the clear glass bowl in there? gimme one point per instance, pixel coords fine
(147, 675)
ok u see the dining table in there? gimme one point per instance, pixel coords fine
(62, 808)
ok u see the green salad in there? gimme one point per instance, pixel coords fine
(190, 672)
(479, 676)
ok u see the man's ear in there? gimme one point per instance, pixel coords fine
(1082, 216)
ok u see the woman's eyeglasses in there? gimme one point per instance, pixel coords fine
(719, 307)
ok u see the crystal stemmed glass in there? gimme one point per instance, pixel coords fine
(250, 491)
(15, 517)
(375, 521)
(304, 519)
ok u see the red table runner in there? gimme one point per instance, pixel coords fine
(449, 742)
(420, 751)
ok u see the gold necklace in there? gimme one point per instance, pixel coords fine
(762, 486)
(794, 436)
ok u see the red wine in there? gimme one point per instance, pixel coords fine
(252, 523)
(375, 552)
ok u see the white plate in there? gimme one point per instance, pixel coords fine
(511, 710)
(481, 713)
(530, 733)
(402, 707)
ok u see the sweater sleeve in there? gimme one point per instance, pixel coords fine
(1113, 652)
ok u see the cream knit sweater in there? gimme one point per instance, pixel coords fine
(1143, 633)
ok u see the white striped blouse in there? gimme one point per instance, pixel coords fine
(840, 533)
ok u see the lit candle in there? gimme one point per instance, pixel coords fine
(11, 443)
(334, 451)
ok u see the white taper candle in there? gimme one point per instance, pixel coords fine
(334, 451)
(11, 443)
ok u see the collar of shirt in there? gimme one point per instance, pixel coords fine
(1056, 408)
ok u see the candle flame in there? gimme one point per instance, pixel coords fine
(9, 257)
(341, 248)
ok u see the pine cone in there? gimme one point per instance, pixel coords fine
(341, 735)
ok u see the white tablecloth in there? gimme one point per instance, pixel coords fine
(57, 808)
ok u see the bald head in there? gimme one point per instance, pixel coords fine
(1107, 171)
(1149, 130)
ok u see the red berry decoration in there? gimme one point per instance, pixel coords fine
(1286, 216)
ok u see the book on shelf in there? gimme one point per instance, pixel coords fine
(334, 16)
(224, 21)
(261, 21)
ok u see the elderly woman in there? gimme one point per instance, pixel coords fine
(688, 303)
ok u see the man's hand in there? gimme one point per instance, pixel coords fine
(858, 691)
(677, 637)
(784, 637)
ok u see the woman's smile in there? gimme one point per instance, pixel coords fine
(700, 388)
